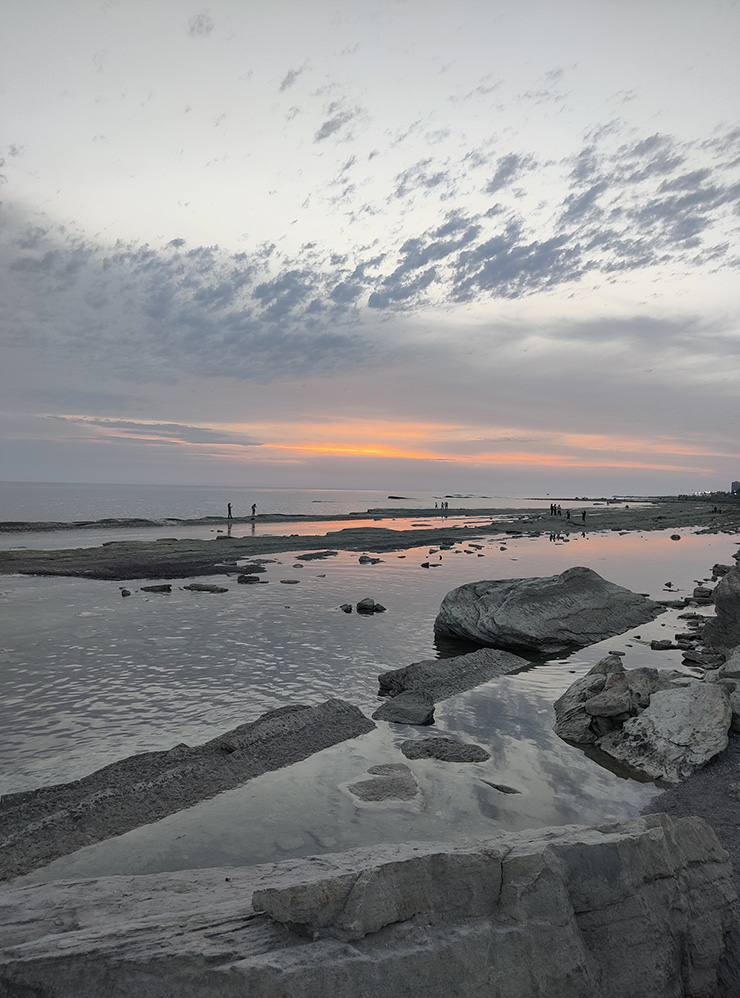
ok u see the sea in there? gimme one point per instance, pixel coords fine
(88, 677)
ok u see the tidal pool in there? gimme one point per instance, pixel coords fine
(88, 677)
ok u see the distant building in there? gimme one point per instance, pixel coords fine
(735, 487)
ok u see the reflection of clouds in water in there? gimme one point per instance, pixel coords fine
(559, 783)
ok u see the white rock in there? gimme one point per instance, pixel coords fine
(676, 734)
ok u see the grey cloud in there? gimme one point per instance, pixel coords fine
(200, 25)
(166, 431)
(289, 79)
(419, 176)
(509, 168)
(339, 117)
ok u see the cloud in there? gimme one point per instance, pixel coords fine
(339, 117)
(174, 432)
(200, 25)
(289, 79)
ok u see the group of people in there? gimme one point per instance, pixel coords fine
(442, 505)
(557, 510)
(229, 515)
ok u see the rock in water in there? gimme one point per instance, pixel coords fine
(543, 615)
(444, 677)
(407, 708)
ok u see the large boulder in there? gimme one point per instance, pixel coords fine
(723, 630)
(544, 615)
(679, 732)
(640, 908)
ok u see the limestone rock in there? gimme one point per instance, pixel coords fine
(407, 708)
(42, 824)
(680, 731)
(444, 677)
(723, 631)
(572, 721)
(391, 781)
(636, 909)
(545, 615)
(205, 587)
(444, 749)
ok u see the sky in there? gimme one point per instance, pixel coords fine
(459, 245)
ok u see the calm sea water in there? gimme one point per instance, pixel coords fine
(34, 501)
(87, 677)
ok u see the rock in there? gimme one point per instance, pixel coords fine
(545, 615)
(722, 632)
(703, 592)
(391, 781)
(680, 731)
(313, 555)
(205, 587)
(572, 721)
(731, 668)
(407, 708)
(642, 908)
(40, 825)
(165, 588)
(501, 787)
(368, 605)
(290, 582)
(674, 537)
(444, 749)
(662, 644)
(365, 559)
(125, 592)
(248, 580)
(719, 570)
(345, 607)
(444, 677)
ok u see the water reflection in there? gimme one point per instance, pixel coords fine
(87, 677)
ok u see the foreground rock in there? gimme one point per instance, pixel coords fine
(441, 678)
(522, 914)
(663, 724)
(543, 615)
(40, 825)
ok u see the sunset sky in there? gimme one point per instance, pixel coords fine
(464, 245)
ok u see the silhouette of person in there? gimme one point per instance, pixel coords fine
(228, 512)
(583, 516)
(254, 509)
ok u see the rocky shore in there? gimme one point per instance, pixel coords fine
(175, 558)
(410, 919)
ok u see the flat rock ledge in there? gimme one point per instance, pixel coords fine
(441, 678)
(543, 615)
(644, 907)
(40, 825)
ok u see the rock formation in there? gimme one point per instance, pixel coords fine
(660, 723)
(40, 825)
(441, 678)
(543, 615)
(635, 909)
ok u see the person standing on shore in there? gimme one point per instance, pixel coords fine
(254, 509)
(228, 512)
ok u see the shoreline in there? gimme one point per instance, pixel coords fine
(173, 558)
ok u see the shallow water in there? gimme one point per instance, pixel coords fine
(87, 677)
